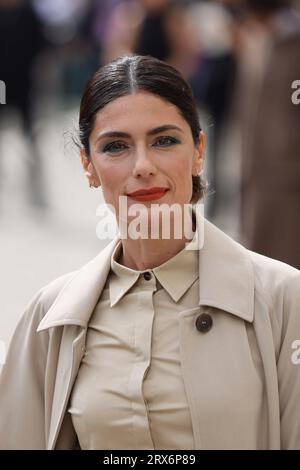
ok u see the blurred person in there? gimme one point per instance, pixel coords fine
(68, 27)
(116, 27)
(159, 342)
(101, 18)
(270, 129)
(152, 38)
(21, 42)
(166, 32)
(213, 84)
(184, 52)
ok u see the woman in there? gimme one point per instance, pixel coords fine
(155, 344)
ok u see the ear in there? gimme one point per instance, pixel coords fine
(89, 169)
(84, 159)
(198, 159)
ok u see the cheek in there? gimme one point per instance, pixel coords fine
(106, 174)
(112, 181)
(182, 177)
(182, 171)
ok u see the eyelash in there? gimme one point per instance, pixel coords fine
(110, 147)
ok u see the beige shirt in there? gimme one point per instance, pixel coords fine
(139, 402)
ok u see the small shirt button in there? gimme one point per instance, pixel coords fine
(147, 276)
(204, 322)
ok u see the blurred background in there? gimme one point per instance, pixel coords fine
(242, 59)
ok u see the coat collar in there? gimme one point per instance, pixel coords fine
(226, 280)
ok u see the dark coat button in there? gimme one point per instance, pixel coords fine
(204, 322)
(147, 276)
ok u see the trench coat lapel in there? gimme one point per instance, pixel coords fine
(78, 298)
(226, 282)
(73, 308)
(226, 274)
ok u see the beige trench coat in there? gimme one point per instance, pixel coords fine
(255, 306)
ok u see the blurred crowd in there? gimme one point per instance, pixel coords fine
(242, 59)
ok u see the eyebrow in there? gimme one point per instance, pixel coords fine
(156, 130)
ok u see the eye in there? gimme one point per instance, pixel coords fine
(114, 147)
(166, 141)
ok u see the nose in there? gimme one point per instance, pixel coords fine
(143, 165)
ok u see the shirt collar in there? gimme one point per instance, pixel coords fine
(122, 278)
(175, 275)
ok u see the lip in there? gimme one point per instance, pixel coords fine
(141, 192)
(148, 194)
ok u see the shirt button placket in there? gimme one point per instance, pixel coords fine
(143, 342)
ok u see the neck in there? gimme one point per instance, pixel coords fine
(148, 253)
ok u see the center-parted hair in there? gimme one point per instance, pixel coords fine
(130, 74)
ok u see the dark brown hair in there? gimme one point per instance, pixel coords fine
(129, 74)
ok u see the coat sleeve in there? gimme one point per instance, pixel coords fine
(22, 406)
(288, 366)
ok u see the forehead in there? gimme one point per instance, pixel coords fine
(141, 110)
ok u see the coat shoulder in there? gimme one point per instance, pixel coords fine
(271, 274)
(42, 300)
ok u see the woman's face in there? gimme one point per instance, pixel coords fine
(138, 142)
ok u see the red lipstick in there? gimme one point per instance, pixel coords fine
(149, 194)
